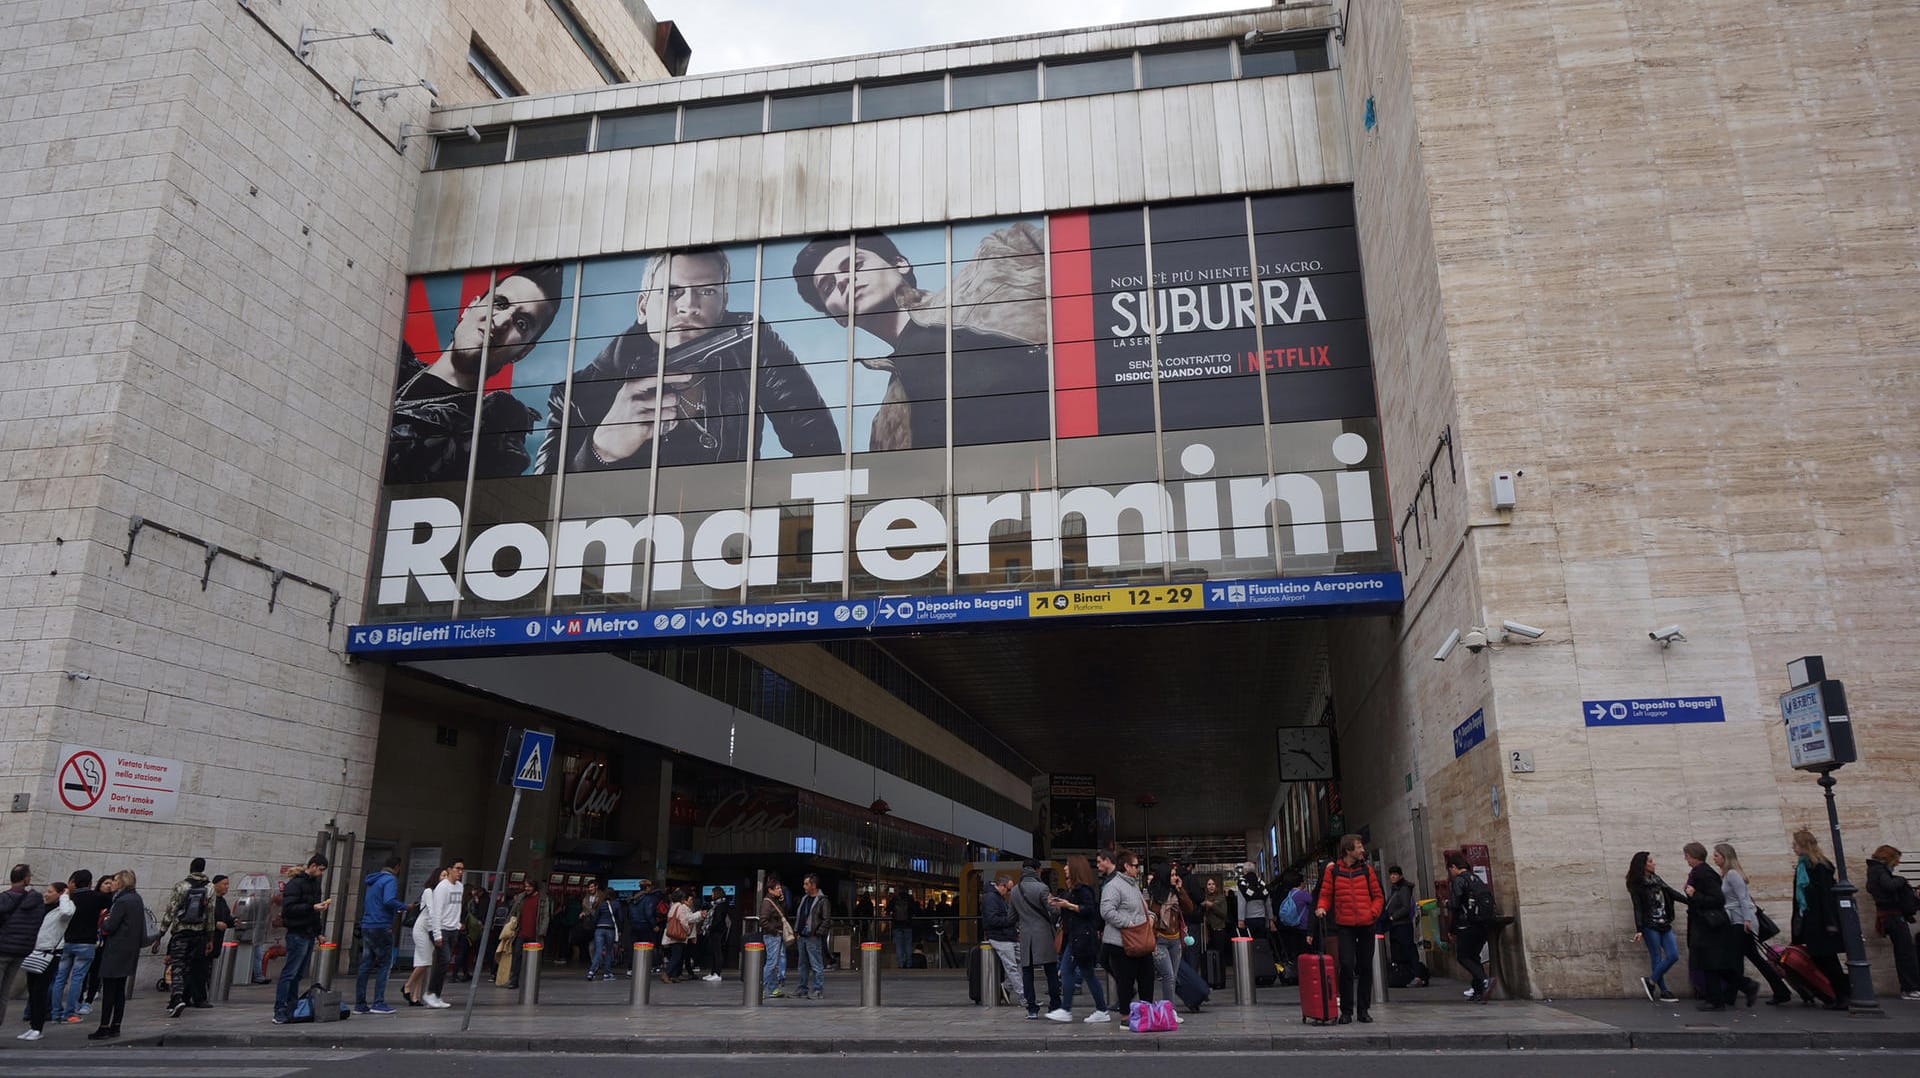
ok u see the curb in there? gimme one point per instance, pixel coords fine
(1571, 1040)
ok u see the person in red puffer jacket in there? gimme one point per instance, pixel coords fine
(1350, 892)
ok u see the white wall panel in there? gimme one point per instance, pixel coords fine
(1186, 141)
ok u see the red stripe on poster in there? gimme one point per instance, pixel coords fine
(1076, 402)
(419, 333)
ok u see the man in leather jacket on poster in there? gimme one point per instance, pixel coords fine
(700, 403)
(432, 431)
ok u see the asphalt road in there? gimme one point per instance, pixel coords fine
(25, 1061)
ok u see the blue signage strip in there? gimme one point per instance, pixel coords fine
(1469, 733)
(1658, 711)
(895, 612)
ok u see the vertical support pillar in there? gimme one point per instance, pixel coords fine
(989, 976)
(1243, 986)
(223, 968)
(640, 989)
(324, 958)
(530, 973)
(1380, 967)
(752, 961)
(870, 975)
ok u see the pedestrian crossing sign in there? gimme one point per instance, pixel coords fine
(533, 761)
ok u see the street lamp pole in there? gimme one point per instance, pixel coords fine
(1146, 803)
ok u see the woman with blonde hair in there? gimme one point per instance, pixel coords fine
(1816, 915)
(1745, 918)
(1896, 902)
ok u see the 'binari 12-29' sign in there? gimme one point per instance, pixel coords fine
(1083, 398)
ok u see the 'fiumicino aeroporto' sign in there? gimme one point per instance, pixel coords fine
(1124, 397)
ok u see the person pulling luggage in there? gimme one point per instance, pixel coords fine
(1351, 896)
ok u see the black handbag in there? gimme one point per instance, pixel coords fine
(1764, 928)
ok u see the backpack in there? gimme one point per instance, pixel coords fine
(192, 907)
(1477, 904)
(1293, 912)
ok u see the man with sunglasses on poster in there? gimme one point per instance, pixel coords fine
(432, 431)
(697, 403)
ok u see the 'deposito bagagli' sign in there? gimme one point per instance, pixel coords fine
(120, 785)
(1654, 711)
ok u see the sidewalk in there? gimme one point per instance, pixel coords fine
(928, 1011)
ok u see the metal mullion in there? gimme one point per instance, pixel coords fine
(653, 465)
(1260, 369)
(846, 494)
(1159, 436)
(952, 577)
(558, 499)
(466, 499)
(753, 423)
(1053, 412)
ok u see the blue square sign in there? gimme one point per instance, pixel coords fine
(534, 760)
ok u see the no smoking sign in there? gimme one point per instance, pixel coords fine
(83, 780)
(103, 782)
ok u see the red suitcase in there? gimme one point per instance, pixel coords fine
(1319, 993)
(1803, 975)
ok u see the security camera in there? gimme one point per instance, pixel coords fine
(1521, 629)
(1250, 38)
(473, 133)
(1667, 635)
(382, 35)
(1446, 647)
(430, 87)
(1475, 640)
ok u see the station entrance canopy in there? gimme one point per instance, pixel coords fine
(1160, 412)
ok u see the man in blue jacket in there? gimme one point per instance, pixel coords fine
(379, 906)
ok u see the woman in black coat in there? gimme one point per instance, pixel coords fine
(121, 937)
(1712, 946)
(1816, 915)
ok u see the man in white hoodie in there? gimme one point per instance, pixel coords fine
(447, 907)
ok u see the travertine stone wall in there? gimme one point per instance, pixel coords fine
(1675, 250)
(200, 254)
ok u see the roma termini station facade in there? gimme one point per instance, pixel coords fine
(891, 464)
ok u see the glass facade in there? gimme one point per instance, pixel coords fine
(1152, 394)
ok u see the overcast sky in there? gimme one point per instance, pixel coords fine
(731, 34)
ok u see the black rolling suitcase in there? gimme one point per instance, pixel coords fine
(1214, 968)
(1265, 973)
(1189, 987)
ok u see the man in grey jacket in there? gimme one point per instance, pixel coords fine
(1032, 904)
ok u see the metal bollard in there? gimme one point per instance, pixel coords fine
(640, 991)
(989, 976)
(1243, 986)
(751, 964)
(530, 973)
(223, 967)
(1380, 968)
(323, 964)
(869, 975)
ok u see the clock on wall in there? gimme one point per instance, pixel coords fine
(1306, 753)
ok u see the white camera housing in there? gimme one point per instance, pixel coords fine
(1667, 635)
(1475, 640)
(1446, 647)
(1522, 629)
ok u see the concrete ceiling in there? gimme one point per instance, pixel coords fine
(1184, 712)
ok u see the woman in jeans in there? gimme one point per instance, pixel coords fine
(1816, 915)
(1744, 915)
(1653, 924)
(1081, 910)
(1123, 906)
(606, 934)
(1167, 901)
(1896, 903)
(119, 953)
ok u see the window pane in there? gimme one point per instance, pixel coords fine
(1207, 64)
(636, 129)
(458, 151)
(1102, 76)
(883, 101)
(812, 110)
(722, 120)
(1285, 60)
(532, 141)
(996, 88)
